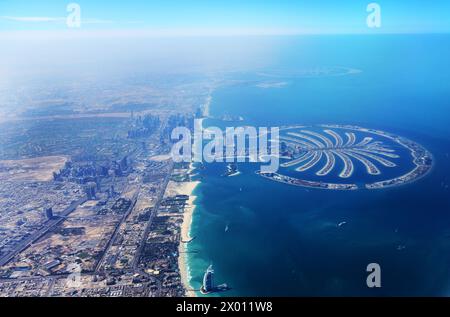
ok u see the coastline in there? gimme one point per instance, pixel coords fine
(184, 188)
(188, 188)
(185, 236)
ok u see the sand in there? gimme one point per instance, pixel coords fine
(184, 188)
(185, 236)
(32, 169)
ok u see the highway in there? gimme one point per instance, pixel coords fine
(152, 215)
(116, 231)
(48, 225)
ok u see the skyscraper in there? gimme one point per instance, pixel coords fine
(49, 213)
(208, 280)
(90, 190)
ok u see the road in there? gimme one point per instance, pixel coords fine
(48, 225)
(116, 230)
(154, 211)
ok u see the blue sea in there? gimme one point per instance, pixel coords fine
(285, 240)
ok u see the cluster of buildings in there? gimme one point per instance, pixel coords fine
(305, 183)
(25, 208)
(160, 254)
(96, 211)
(123, 245)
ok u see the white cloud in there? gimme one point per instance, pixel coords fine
(33, 19)
(96, 21)
(53, 19)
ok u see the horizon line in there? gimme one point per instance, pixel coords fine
(201, 32)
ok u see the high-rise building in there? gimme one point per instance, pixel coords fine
(90, 190)
(124, 163)
(208, 280)
(49, 213)
(111, 192)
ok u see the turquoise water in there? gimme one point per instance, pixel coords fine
(284, 240)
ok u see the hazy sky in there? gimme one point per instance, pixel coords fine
(128, 35)
(228, 16)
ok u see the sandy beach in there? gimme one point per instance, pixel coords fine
(185, 236)
(184, 188)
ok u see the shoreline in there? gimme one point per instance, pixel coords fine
(185, 188)
(186, 236)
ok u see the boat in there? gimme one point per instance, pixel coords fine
(232, 170)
